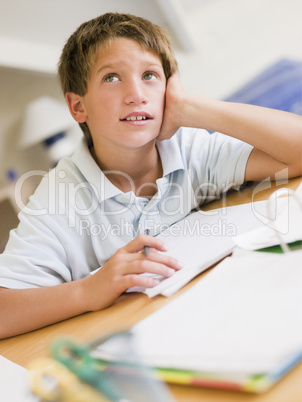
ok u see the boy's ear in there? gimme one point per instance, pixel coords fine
(76, 107)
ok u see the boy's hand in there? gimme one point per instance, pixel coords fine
(123, 270)
(173, 108)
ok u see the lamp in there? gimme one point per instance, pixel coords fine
(46, 121)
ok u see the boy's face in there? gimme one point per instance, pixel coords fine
(125, 96)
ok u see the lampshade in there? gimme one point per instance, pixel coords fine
(44, 117)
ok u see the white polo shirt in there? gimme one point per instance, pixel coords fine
(77, 219)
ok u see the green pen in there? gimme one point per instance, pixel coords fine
(123, 380)
(76, 357)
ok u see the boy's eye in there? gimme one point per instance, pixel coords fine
(149, 76)
(110, 78)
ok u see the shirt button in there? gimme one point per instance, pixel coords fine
(124, 199)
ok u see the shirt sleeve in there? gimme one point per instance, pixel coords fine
(33, 257)
(216, 162)
(44, 250)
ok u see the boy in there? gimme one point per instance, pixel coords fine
(120, 81)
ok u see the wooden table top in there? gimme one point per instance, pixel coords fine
(130, 308)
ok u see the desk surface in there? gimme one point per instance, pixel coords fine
(131, 308)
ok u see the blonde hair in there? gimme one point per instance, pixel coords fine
(80, 50)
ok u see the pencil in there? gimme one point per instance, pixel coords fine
(147, 248)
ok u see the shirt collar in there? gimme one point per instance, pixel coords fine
(84, 161)
(170, 155)
(169, 152)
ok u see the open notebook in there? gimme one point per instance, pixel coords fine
(238, 328)
(204, 238)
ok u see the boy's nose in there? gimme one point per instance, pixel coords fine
(135, 93)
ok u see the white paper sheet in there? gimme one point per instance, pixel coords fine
(204, 238)
(244, 317)
(14, 383)
(286, 226)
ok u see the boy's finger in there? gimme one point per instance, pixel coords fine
(143, 240)
(141, 281)
(140, 263)
(165, 259)
(146, 266)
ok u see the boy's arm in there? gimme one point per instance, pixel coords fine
(275, 135)
(23, 310)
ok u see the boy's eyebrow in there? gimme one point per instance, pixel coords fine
(114, 65)
(110, 66)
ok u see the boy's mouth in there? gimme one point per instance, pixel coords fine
(137, 116)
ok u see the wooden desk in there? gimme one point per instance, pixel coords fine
(131, 308)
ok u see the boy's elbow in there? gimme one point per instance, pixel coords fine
(295, 170)
(3, 322)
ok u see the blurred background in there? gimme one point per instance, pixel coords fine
(221, 45)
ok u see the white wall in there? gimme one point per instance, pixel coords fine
(237, 39)
(17, 89)
(234, 40)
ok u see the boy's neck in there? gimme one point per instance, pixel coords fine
(134, 170)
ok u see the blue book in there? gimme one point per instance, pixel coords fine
(278, 87)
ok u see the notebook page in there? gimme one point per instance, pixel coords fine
(288, 223)
(14, 383)
(204, 238)
(243, 317)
